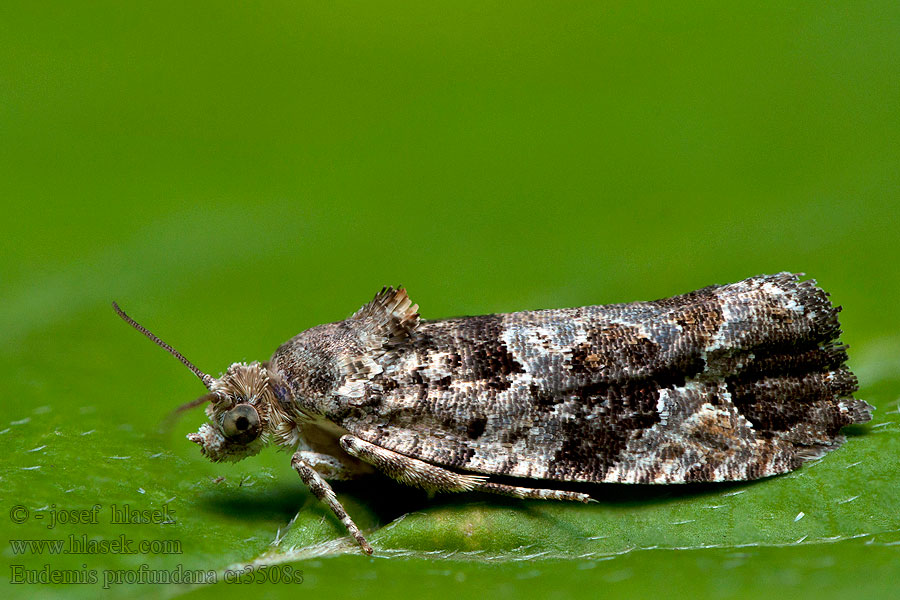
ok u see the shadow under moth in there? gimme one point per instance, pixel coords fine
(730, 382)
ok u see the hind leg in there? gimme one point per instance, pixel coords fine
(532, 493)
(417, 473)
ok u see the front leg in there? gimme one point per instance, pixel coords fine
(321, 490)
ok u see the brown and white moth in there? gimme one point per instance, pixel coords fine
(726, 383)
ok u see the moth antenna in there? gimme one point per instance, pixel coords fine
(196, 402)
(206, 379)
(167, 423)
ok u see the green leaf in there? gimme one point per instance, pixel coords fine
(234, 174)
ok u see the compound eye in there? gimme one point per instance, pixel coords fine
(241, 424)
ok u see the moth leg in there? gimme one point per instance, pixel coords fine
(535, 493)
(329, 467)
(410, 471)
(321, 490)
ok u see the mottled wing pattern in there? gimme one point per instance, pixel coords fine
(726, 383)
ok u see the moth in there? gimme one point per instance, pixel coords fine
(730, 382)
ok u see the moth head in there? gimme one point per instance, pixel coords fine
(240, 414)
(240, 406)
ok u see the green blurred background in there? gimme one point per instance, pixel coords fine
(233, 173)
